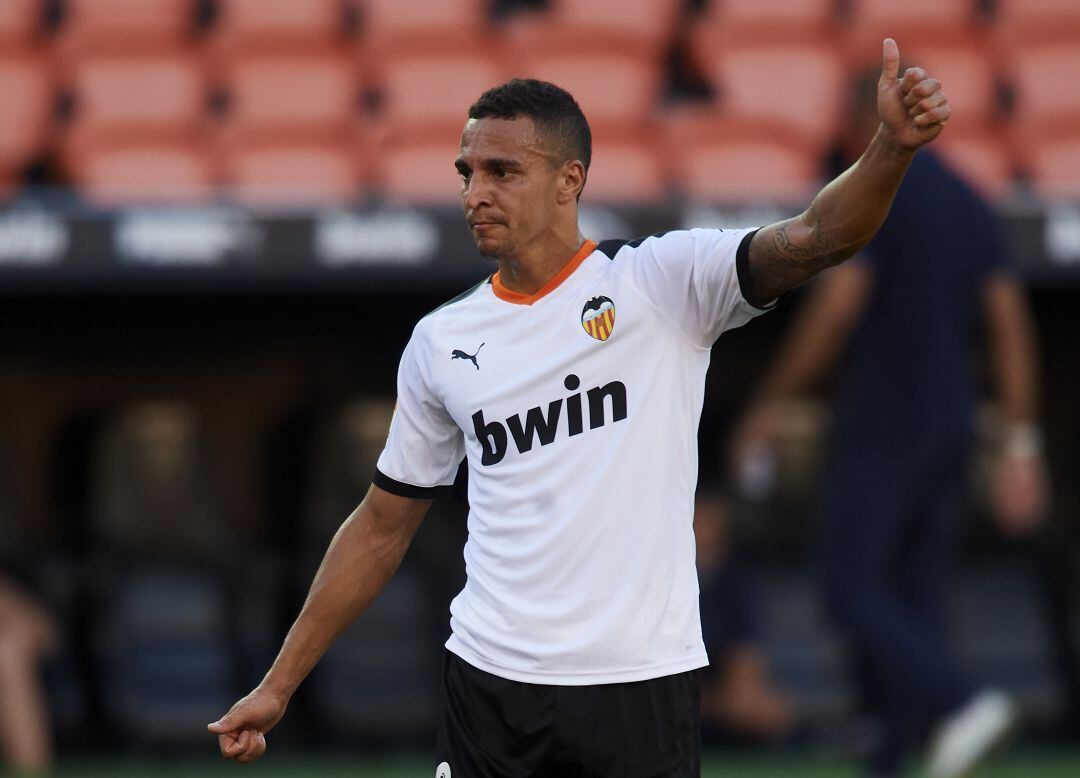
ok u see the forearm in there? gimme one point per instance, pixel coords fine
(1013, 351)
(360, 560)
(842, 218)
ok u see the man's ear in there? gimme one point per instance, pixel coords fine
(571, 181)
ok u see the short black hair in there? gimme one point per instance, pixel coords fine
(552, 109)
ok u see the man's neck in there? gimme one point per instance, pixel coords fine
(531, 269)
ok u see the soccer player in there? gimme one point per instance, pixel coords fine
(573, 380)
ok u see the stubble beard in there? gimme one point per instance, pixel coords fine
(495, 250)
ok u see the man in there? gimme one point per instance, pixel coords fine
(576, 640)
(907, 310)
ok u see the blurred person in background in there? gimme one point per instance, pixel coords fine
(738, 696)
(905, 314)
(576, 641)
(27, 636)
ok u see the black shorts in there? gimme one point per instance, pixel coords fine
(490, 727)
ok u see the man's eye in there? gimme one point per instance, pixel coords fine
(501, 173)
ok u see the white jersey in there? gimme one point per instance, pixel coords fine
(578, 409)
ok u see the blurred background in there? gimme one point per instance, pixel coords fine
(219, 221)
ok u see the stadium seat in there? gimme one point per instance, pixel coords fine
(626, 171)
(386, 25)
(162, 93)
(420, 89)
(1054, 167)
(9, 184)
(1047, 92)
(20, 21)
(27, 98)
(316, 93)
(265, 23)
(981, 160)
(165, 621)
(764, 19)
(744, 164)
(1042, 20)
(967, 76)
(620, 90)
(642, 27)
(380, 677)
(283, 174)
(420, 171)
(118, 173)
(871, 20)
(99, 24)
(797, 85)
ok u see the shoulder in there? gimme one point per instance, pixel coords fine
(454, 308)
(424, 331)
(660, 244)
(613, 247)
(679, 247)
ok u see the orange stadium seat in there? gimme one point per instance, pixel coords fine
(981, 160)
(802, 18)
(314, 93)
(246, 23)
(1054, 167)
(144, 172)
(420, 171)
(967, 75)
(1047, 20)
(26, 92)
(20, 21)
(387, 24)
(742, 169)
(162, 92)
(420, 88)
(798, 85)
(283, 174)
(101, 23)
(9, 183)
(1047, 88)
(910, 20)
(619, 90)
(639, 26)
(625, 172)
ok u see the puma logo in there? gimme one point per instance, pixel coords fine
(459, 354)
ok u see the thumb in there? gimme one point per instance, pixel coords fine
(890, 62)
(226, 723)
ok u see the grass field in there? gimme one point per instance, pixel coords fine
(1042, 764)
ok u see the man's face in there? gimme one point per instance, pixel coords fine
(510, 181)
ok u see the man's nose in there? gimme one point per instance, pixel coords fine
(476, 193)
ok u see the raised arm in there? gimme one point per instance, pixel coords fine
(362, 557)
(849, 210)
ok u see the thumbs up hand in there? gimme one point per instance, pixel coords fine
(912, 108)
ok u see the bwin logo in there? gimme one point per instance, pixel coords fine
(537, 426)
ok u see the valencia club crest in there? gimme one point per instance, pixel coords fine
(598, 317)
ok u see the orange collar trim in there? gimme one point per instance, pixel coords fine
(519, 298)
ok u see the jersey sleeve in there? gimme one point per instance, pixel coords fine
(697, 279)
(425, 445)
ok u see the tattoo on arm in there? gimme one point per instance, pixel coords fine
(785, 254)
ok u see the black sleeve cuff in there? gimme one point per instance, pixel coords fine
(388, 484)
(742, 269)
